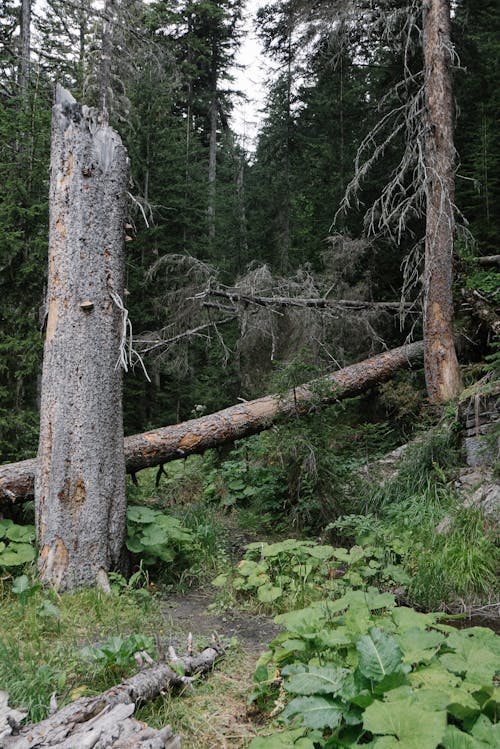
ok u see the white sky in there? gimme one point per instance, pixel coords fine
(251, 79)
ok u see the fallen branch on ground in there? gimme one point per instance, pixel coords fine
(106, 719)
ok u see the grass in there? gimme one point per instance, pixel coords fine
(214, 715)
(39, 655)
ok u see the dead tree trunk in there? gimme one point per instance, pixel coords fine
(79, 487)
(24, 68)
(441, 365)
(197, 435)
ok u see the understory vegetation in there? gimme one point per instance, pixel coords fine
(310, 523)
(262, 259)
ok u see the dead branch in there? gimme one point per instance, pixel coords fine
(149, 345)
(235, 295)
(106, 719)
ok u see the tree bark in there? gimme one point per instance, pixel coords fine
(24, 68)
(79, 486)
(242, 420)
(441, 365)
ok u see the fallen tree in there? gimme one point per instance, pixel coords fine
(241, 420)
(106, 719)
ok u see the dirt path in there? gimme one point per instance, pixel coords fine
(190, 613)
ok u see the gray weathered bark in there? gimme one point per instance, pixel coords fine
(24, 68)
(441, 365)
(79, 484)
(104, 81)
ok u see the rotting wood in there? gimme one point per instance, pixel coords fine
(106, 719)
(159, 446)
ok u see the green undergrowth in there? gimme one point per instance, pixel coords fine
(292, 573)
(49, 643)
(358, 670)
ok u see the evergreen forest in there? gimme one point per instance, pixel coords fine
(309, 359)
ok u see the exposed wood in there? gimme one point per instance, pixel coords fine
(106, 719)
(197, 435)
(80, 486)
(442, 371)
(489, 261)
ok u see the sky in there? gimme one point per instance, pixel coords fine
(250, 78)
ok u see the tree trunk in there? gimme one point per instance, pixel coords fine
(104, 81)
(197, 435)
(79, 487)
(24, 68)
(441, 365)
(212, 155)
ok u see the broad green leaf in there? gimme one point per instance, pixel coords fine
(474, 663)
(268, 593)
(321, 552)
(134, 545)
(379, 655)
(286, 740)
(434, 676)
(309, 619)
(412, 726)
(486, 731)
(317, 680)
(16, 554)
(334, 638)
(4, 525)
(419, 644)
(137, 514)
(21, 584)
(256, 580)
(2, 546)
(220, 580)
(153, 536)
(406, 618)
(315, 712)
(454, 738)
(21, 533)
(247, 567)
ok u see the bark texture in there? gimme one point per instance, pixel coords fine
(105, 720)
(441, 365)
(79, 487)
(197, 435)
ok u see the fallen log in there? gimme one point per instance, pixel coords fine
(106, 719)
(236, 422)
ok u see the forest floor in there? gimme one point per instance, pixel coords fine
(191, 612)
(215, 715)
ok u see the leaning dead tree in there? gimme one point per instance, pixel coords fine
(442, 371)
(79, 484)
(241, 420)
(106, 720)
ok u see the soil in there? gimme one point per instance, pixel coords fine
(190, 612)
